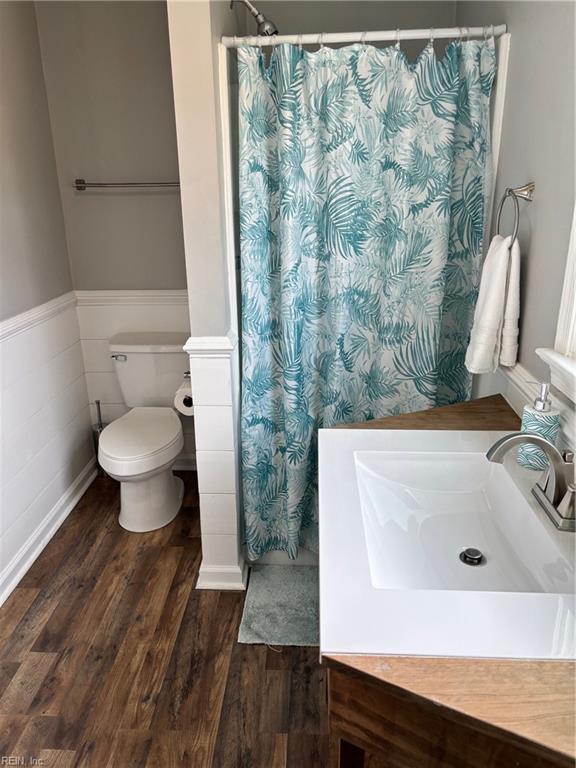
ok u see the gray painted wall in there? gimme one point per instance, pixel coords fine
(295, 16)
(34, 262)
(109, 86)
(537, 145)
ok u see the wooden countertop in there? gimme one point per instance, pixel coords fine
(486, 413)
(523, 700)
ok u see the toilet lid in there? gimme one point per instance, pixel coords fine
(141, 432)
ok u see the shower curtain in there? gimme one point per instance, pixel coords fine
(363, 183)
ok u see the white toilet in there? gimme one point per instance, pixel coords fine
(140, 448)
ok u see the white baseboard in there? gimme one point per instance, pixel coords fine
(223, 577)
(24, 558)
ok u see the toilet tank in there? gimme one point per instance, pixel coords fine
(150, 366)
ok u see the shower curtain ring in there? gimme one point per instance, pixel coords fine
(431, 41)
(398, 38)
(363, 41)
(300, 42)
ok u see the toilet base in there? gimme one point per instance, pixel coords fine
(151, 503)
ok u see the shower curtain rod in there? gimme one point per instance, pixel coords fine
(365, 37)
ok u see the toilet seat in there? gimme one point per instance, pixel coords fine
(141, 441)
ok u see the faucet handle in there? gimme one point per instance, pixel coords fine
(567, 507)
(569, 468)
(544, 479)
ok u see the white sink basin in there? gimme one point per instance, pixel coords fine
(421, 510)
(397, 508)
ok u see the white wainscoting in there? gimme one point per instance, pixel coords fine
(215, 389)
(101, 314)
(46, 458)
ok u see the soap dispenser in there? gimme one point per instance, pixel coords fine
(544, 420)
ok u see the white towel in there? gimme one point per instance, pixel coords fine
(509, 346)
(494, 336)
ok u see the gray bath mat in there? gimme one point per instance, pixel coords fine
(281, 606)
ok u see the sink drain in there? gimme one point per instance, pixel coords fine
(472, 556)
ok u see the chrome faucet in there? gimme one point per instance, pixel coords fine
(555, 491)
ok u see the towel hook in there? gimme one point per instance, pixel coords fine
(525, 192)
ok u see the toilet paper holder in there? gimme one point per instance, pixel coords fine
(188, 402)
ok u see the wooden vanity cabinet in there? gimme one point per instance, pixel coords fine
(376, 726)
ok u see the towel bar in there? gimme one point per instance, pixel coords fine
(526, 192)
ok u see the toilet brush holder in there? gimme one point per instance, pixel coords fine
(97, 430)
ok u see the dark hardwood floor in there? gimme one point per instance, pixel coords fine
(109, 658)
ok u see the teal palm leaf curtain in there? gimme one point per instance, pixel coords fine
(362, 199)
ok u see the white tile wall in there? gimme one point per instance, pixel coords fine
(214, 427)
(218, 513)
(219, 549)
(211, 381)
(103, 386)
(97, 356)
(46, 456)
(215, 411)
(216, 471)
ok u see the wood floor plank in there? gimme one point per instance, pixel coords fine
(7, 671)
(111, 658)
(196, 680)
(187, 527)
(38, 734)
(58, 758)
(275, 709)
(89, 593)
(240, 740)
(181, 695)
(307, 693)
(108, 711)
(91, 649)
(11, 728)
(129, 749)
(144, 695)
(73, 638)
(307, 749)
(172, 749)
(22, 689)
(81, 524)
(14, 609)
(32, 623)
(191, 497)
(215, 674)
(107, 714)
